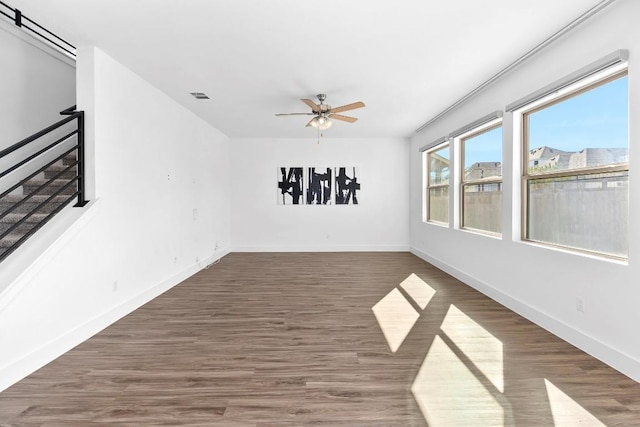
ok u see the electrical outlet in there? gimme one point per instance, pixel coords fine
(175, 259)
(115, 286)
(195, 213)
(580, 304)
(215, 248)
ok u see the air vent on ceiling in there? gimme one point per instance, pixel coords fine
(199, 95)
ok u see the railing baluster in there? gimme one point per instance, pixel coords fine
(81, 195)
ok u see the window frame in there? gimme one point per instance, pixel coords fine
(578, 88)
(428, 186)
(487, 127)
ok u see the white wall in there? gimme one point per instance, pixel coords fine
(539, 282)
(378, 222)
(155, 162)
(37, 83)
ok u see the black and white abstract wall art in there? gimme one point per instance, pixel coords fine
(290, 186)
(315, 185)
(319, 186)
(347, 190)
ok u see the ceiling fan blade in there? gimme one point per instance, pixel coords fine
(343, 118)
(348, 107)
(294, 114)
(314, 107)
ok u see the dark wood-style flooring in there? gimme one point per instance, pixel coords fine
(323, 339)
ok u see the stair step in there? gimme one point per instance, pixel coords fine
(34, 201)
(35, 220)
(31, 222)
(11, 219)
(14, 217)
(21, 229)
(53, 186)
(11, 239)
(69, 159)
(53, 170)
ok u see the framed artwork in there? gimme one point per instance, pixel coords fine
(290, 186)
(347, 189)
(319, 186)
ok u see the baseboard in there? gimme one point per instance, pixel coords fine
(17, 370)
(618, 360)
(312, 248)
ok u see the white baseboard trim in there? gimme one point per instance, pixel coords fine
(311, 248)
(17, 370)
(618, 360)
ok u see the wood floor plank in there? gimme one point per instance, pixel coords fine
(323, 339)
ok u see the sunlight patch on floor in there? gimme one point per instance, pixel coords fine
(483, 349)
(449, 394)
(566, 411)
(419, 290)
(396, 316)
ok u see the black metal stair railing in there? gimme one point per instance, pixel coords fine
(46, 189)
(36, 30)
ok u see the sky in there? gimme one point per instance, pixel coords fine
(597, 118)
(486, 147)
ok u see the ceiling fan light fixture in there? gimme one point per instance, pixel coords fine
(321, 122)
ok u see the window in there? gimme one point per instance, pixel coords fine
(481, 180)
(575, 163)
(438, 184)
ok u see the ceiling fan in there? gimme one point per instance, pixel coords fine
(323, 113)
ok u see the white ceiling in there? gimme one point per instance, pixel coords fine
(407, 60)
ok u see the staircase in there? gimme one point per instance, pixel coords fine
(29, 199)
(28, 204)
(42, 198)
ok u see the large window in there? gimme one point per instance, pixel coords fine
(575, 181)
(481, 181)
(438, 184)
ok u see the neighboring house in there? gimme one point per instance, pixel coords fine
(552, 158)
(483, 170)
(543, 156)
(590, 157)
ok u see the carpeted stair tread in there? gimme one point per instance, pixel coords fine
(53, 186)
(53, 171)
(10, 239)
(36, 198)
(69, 159)
(12, 218)
(21, 229)
(37, 201)
(32, 203)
